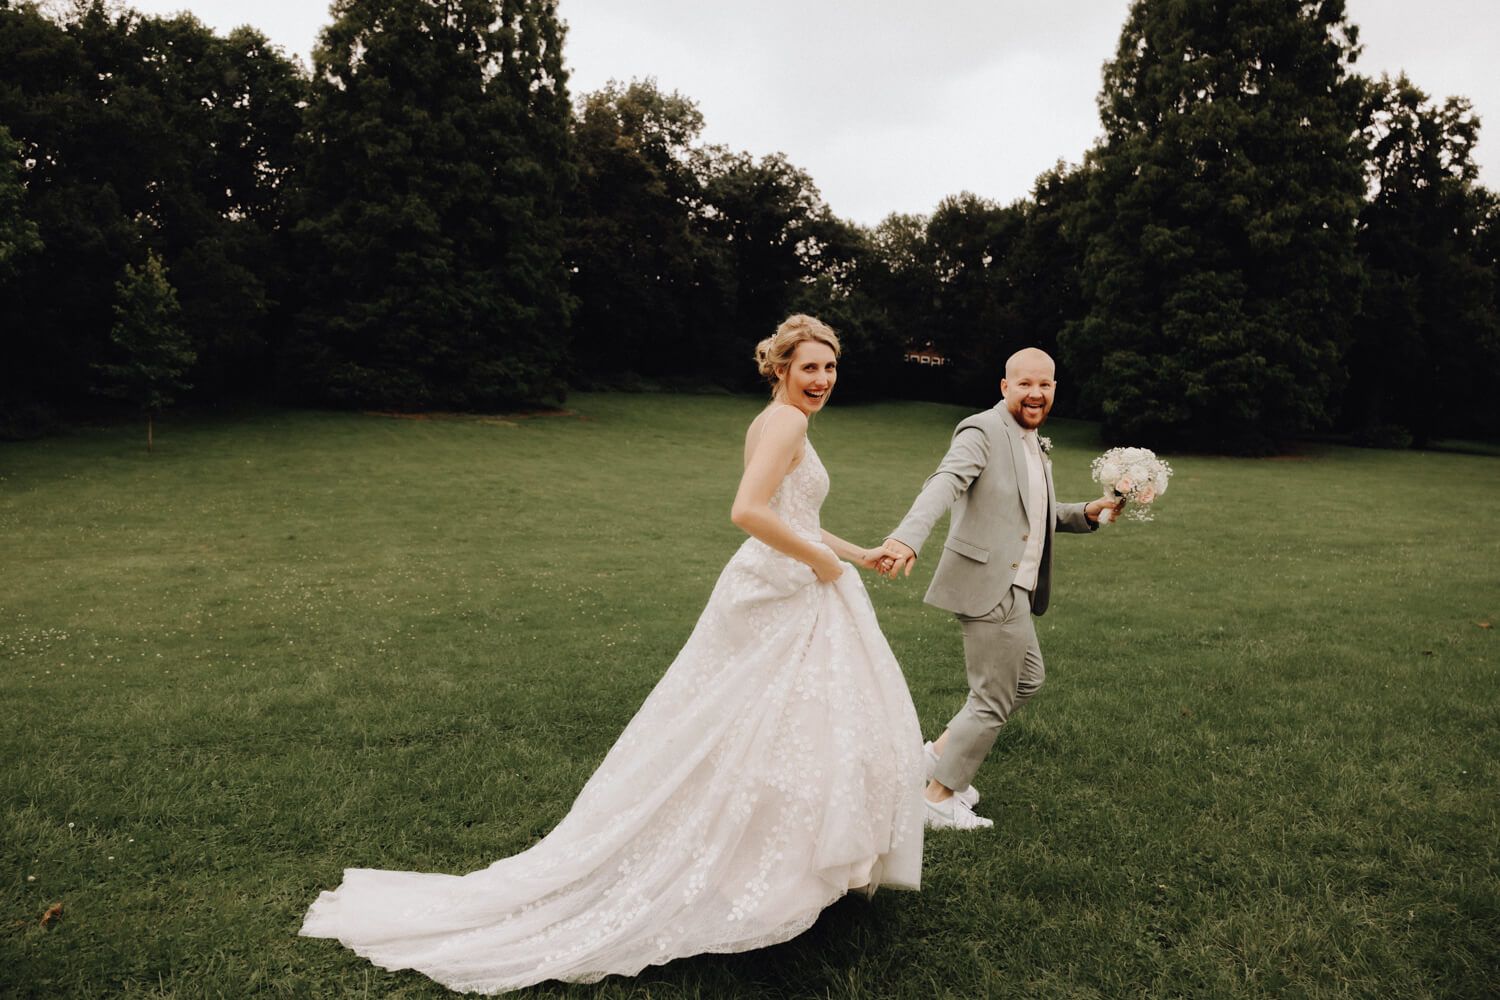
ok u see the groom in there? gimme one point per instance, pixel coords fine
(995, 570)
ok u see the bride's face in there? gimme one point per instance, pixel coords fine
(807, 381)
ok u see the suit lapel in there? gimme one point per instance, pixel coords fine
(1051, 496)
(1017, 457)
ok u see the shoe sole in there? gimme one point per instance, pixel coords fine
(937, 821)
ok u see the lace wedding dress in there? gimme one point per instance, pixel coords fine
(776, 766)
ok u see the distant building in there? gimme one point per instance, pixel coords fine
(925, 355)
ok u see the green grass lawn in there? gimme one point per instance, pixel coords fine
(1264, 763)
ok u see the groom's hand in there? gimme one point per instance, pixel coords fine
(1114, 504)
(897, 557)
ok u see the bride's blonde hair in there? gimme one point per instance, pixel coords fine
(776, 350)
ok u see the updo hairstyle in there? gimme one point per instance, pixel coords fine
(776, 350)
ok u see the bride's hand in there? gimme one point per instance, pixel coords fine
(896, 557)
(868, 558)
(826, 566)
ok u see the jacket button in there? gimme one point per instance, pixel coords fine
(1025, 537)
(1014, 565)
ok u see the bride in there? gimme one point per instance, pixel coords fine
(776, 766)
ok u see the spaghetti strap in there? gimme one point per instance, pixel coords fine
(760, 432)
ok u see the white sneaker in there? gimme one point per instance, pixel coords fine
(969, 796)
(952, 814)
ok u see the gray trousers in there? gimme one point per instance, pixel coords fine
(1005, 669)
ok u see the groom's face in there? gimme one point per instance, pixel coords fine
(1028, 393)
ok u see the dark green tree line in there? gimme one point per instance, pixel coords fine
(771, 233)
(139, 136)
(1426, 354)
(1263, 243)
(437, 156)
(845, 272)
(640, 266)
(670, 238)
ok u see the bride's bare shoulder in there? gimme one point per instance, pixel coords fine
(779, 420)
(779, 415)
(783, 416)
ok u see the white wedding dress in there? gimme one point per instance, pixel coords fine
(776, 766)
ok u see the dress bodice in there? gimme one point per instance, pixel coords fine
(799, 498)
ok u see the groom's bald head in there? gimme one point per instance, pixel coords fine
(1032, 358)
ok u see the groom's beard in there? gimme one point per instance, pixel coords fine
(1030, 418)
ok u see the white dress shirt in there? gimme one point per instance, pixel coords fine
(1036, 508)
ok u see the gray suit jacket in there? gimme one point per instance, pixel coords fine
(984, 480)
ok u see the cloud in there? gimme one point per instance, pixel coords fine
(889, 106)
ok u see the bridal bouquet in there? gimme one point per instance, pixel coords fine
(1135, 474)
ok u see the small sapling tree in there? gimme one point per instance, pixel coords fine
(153, 348)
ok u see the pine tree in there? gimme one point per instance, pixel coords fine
(1221, 267)
(154, 349)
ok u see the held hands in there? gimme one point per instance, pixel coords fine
(895, 557)
(888, 560)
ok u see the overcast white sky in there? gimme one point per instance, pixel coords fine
(891, 106)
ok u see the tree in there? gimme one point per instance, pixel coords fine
(226, 158)
(769, 231)
(19, 238)
(1485, 403)
(154, 350)
(431, 234)
(900, 277)
(975, 322)
(18, 234)
(639, 264)
(143, 132)
(838, 290)
(1045, 265)
(1220, 265)
(57, 306)
(1429, 327)
(976, 281)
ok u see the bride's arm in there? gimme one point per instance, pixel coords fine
(867, 558)
(781, 438)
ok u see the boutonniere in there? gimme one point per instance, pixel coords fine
(1044, 443)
